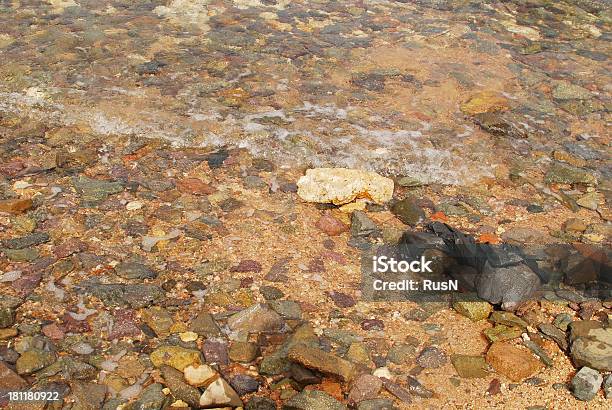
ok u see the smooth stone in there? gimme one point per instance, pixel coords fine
(175, 356)
(468, 366)
(313, 400)
(514, 363)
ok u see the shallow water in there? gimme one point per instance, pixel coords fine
(365, 84)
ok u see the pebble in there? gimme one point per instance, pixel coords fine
(431, 357)
(469, 366)
(175, 356)
(331, 225)
(408, 211)
(322, 361)
(257, 318)
(313, 400)
(365, 387)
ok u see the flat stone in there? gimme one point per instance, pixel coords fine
(362, 225)
(402, 353)
(27, 241)
(501, 332)
(507, 285)
(485, 101)
(365, 387)
(158, 319)
(562, 173)
(179, 388)
(255, 319)
(313, 400)
(151, 397)
(376, 404)
(15, 206)
(175, 356)
(555, 334)
(204, 324)
(341, 185)
(586, 383)
(431, 358)
(398, 391)
(260, 403)
(473, 310)
(134, 270)
(288, 309)
(564, 90)
(468, 366)
(244, 384)
(88, 396)
(322, 361)
(513, 362)
(219, 394)
(119, 294)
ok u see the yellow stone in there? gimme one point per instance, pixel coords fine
(342, 185)
(175, 356)
(485, 101)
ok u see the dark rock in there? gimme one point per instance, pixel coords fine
(27, 241)
(216, 159)
(341, 300)
(507, 285)
(119, 294)
(151, 398)
(372, 324)
(555, 334)
(205, 325)
(244, 384)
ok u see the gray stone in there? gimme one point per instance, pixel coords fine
(607, 386)
(376, 404)
(507, 285)
(401, 353)
(362, 225)
(415, 387)
(119, 294)
(288, 309)
(93, 190)
(313, 400)
(135, 270)
(151, 398)
(555, 334)
(586, 383)
(27, 241)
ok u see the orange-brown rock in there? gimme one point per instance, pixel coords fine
(513, 362)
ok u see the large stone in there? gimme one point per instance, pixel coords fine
(317, 359)
(175, 356)
(586, 383)
(514, 363)
(257, 318)
(199, 375)
(507, 285)
(219, 394)
(470, 366)
(594, 349)
(33, 360)
(313, 400)
(158, 319)
(15, 206)
(341, 185)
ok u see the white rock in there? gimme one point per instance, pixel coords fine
(219, 393)
(200, 375)
(341, 186)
